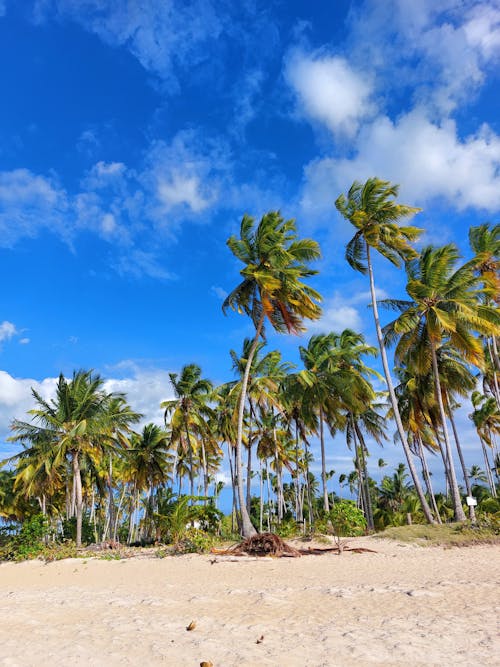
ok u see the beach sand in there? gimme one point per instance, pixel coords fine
(403, 605)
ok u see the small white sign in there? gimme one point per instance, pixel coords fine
(471, 501)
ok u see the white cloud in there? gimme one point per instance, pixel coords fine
(219, 292)
(482, 30)
(7, 330)
(437, 51)
(137, 263)
(161, 35)
(16, 398)
(330, 90)
(24, 341)
(145, 389)
(429, 160)
(339, 313)
(29, 203)
(182, 189)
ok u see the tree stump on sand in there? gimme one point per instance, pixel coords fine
(262, 544)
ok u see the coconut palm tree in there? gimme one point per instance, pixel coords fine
(150, 464)
(78, 426)
(444, 308)
(189, 414)
(485, 243)
(486, 418)
(276, 262)
(373, 211)
(266, 374)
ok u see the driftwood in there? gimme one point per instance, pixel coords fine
(269, 544)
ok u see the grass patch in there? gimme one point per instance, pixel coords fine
(449, 535)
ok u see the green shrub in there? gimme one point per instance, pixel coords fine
(69, 530)
(28, 543)
(490, 505)
(346, 519)
(195, 541)
(287, 528)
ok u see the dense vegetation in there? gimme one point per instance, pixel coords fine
(84, 473)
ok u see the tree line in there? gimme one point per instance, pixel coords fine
(81, 460)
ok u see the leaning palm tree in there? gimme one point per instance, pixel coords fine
(371, 209)
(444, 307)
(276, 262)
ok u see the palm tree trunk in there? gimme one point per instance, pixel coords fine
(249, 476)
(191, 465)
(326, 505)
(261, 497)
(205, 471)
(120, 503)
(366, 483)
(455, 493)
(270, 505)
(246, 525)
(78, 498)
(427, 479)
(495, 366)
(298, 509)
(472, 513)
(308, 488)
(111, 499)
(487, 464)
(394, 403)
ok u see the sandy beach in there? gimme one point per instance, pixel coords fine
(403, 605)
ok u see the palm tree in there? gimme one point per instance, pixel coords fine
(275, 264)
(189, 414)
(150, 465)
(266, 373)
(370, 207)
(444, 307)
(486, 418)
(77, 424)
(485, 242)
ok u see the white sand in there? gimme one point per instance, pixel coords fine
(404, 605)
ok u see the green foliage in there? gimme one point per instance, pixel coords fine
(451, 534)
(195, 541)
(346, 519)
(490, 506)
(287, 528)
(28, 543)
(69, 530)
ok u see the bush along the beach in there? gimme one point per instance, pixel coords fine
(195, 541)
(346, 519)
(29, 542)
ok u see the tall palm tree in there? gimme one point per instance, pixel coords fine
(276, 262)
(444, 307)
(189, 413)
(373, 211)
(485, 243)
(486, 418)
(77, 424)
(266, 374)
(151, 465)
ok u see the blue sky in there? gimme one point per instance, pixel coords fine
(135, 135)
